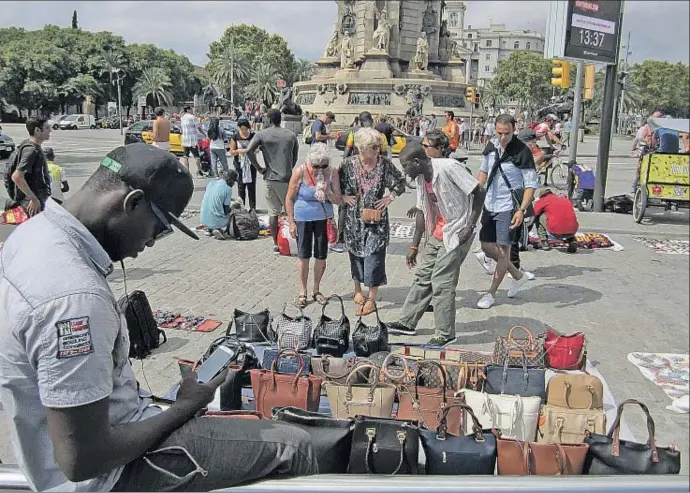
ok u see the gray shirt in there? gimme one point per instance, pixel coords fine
(63, 341)
(279, 148)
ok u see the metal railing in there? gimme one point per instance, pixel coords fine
(11, 478)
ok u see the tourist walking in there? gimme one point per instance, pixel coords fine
(217, 137)
(58, 180)
(314, 188)
(364, 179)
(190, 134)
(246, 181)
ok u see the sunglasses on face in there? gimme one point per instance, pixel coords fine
(167, 227)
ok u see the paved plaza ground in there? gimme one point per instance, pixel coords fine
(634, 300)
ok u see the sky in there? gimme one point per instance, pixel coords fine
(659, 30)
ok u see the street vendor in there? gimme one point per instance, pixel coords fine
(79, 420)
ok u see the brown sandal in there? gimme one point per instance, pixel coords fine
(302, 301)
(319, 298)
(358, 299)
(366, 308)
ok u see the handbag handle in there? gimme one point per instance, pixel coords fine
(301, 312)
(561, 458)
(300, 368)
(325, 362)
(566, 392)
(376, 311)
(387, 361)
(442, 428)
(512, 341)
(402, 437)
(525, 373)
(442, 371)
(374, 381)
(342, 305)
(615, 430)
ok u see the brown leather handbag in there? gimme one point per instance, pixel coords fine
(333, 369)
(574, 391)
(518, 458)
(426, 404)
(272, 389)
(233, 414)
(371, 216)
(562, 425)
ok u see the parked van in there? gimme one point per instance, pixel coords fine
(74, 122)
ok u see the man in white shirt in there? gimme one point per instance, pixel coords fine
(464, 134)
(190, 133)
(449, 202)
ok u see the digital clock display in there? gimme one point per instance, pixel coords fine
(593, 30)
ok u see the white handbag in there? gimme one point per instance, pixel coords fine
(515, 416)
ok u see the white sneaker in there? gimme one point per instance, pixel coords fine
(337, 248)
(486, 301)
(487, 263)
(530, 275)
(517, 286)
(218, 234)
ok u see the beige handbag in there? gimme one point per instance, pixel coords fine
(515, 416)
(348, 400)
(575, 391)
(562, 425)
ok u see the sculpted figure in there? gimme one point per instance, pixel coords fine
(332, 46)
(347, 53)
(382, 33)
(421, 57)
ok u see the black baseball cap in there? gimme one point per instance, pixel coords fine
(330, 115)
(166, 183)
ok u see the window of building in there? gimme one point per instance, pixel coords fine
(487, 68)
(488, 43)
(476, 47)
(516, 46)
(528, 45)
(488, 56)
(504, 43)
(469, 35)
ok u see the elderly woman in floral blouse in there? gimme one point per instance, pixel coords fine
(364, 180)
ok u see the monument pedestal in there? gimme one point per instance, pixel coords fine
(347, 74)
(457, 70)
(376, 65)
(292, 123)
(420, 74)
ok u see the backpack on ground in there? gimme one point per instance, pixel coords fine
(245, 224)
(620, 204)
(12, 164)
(144, 334)
(306, 134)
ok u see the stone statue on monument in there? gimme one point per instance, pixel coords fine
(287, 106)
(347, 53)
(332, 47)
(421, 57)
(382, 32)
(444, 41)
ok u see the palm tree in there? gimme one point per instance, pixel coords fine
(230, 68)
(78, 87)
(154, 83)
(304, 69)
(264, 82)
(492, 95)
(111, 61)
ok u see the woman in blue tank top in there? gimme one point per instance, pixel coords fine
(314, 188)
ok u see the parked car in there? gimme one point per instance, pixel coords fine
(77, 121)
(55, 121)
(141, 131)
(6, 145)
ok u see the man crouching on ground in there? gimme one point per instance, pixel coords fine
(78, 419)
(449, 201)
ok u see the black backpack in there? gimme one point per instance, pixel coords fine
(245, 224)
(144, 334)
(11, 166)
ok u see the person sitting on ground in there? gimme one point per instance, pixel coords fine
(215, 205)
(555, 216)
(79, 420)
(58, 180)
(314, 188)
(449, 201)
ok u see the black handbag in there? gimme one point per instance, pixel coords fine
(448, 454)
(230, 390)
(384, 446)
(370, 339)
(332, 336)
(608, 454)
(331, 438)
(525, 382)
(252, 327)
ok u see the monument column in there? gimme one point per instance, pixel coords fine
(431, 22)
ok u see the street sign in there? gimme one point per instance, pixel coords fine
(281, 83)
(584, 30)
(141, 101)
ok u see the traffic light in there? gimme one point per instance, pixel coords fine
(589, 82)
(470, 94)
(477, 98)
(560, 74)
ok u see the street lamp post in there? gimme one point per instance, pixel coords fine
(119, 99)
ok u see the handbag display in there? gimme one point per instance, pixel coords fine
(395, 369)
(252, 327)
(425, 404)
(608, 454)
(331, 438)
(525, 458)
(272, 389)
(286, 363)
(460, 376)
(575, 391)
(370, 339)
(293, 332)
(562, 425)
(332, 336)
(524, 381)
(371, 399)
(468, 356)
(512, 349)
(233, 414)
(384, 446)
(564, 352)
(471, 454)
(512, 415)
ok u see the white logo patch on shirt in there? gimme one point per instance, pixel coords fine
(74, 337)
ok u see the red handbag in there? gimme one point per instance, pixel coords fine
(564, 352)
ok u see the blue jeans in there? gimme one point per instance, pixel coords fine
(212, 453)
(219, 161)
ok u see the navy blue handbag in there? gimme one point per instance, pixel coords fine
(286, 363)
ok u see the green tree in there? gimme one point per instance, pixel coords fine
(304, 69)
(75, 89)
(663, 86)
(75, 23)
(112, 61)
(524, 77)
(492, 95)
(229, 65)
(263, 84)
(154, 85)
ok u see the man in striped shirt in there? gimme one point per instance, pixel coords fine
(190, 131)
(449, 201)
